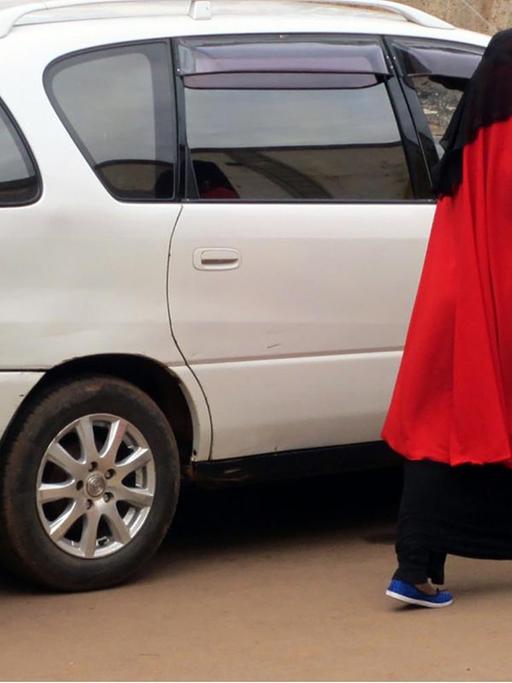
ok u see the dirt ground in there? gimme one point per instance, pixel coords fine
(281, 582)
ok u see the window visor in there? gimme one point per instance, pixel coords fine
(430, 59)
(280, 54)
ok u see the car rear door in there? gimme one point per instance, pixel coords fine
(296, 258)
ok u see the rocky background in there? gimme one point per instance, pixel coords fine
(485, 16)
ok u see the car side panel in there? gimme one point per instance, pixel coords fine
(14, 387)
(80, 272)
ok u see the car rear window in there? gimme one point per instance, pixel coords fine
(19, 182)
(118, 105)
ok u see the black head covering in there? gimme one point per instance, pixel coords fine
(487, 99)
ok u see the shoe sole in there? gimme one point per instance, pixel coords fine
(416, 601)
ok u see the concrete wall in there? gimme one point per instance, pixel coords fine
(486, 16)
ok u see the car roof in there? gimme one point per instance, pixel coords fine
(76, 24)
(58, 10)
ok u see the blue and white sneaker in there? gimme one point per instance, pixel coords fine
(413, 596)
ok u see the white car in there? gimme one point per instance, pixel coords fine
(212, 222)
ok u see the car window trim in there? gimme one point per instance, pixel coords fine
(416, 161)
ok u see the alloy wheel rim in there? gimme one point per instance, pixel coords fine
(95, 486)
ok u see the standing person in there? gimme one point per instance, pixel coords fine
(451, 411)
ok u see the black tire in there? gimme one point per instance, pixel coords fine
(25, 547)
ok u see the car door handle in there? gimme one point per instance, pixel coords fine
(216, 259)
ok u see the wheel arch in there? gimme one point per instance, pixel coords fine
(152, 377)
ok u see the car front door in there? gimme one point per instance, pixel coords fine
(296, 258)
(433, 75)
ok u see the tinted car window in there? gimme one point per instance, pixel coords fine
(439, 98)
(438, 72)
(18, 178)
(288, 142)
(118, 105)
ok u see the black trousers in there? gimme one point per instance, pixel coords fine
(418, 564)
(464, 510)
(419, 556)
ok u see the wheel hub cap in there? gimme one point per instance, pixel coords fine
(95, 485)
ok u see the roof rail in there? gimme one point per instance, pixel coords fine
(13, 10)
(200, 9)
(409, 13)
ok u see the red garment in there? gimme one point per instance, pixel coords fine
(219, 193)
(453, 397)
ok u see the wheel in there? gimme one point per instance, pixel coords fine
(88, 486)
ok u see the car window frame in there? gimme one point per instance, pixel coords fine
(30, 154)
(424, 132)
(413, 153)
(77, 141)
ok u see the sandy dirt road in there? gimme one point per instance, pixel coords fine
(281, 582)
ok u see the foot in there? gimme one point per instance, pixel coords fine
(412, 595)
(427, 588)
